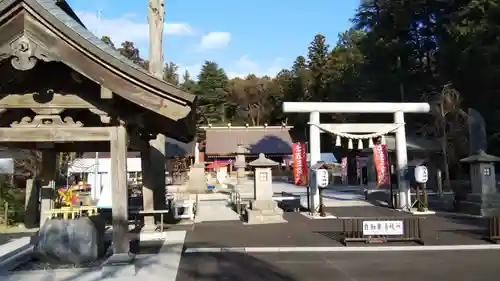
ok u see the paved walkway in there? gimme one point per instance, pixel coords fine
(445, 229)
(215, 210)
(376, 266)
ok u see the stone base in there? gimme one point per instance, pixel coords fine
(481, 205)
(264, 212)
(119, 265)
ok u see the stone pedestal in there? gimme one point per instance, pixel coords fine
(484, 197)
(263, 209)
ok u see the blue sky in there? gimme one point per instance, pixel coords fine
(258, 36)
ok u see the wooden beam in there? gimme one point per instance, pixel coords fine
(358, 127)
(54, 134)
(106, 93)
(119, 190)
(54, 101)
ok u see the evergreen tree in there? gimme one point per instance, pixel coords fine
(187, 84)
(212, 93)
(170, 73)
(317, 59)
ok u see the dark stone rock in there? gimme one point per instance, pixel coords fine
(71, 241)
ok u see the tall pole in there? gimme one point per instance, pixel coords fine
(156, 19)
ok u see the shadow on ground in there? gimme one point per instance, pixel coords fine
(231, 266)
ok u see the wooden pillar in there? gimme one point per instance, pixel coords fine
(48, 175)
(147, 189)
(119, 190)
(157, 153)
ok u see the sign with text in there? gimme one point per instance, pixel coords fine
(381, 164)
(382, 228)
(300, 169)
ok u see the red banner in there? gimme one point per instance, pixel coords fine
(299, 164)
(381, 164)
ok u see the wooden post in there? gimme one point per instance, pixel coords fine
(147, 189)
(119, 190)
(48, 177)
(157, 176)
(31, 203)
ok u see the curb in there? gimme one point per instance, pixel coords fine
(343, 249)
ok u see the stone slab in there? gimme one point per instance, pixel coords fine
(265, 217)
(8, 249)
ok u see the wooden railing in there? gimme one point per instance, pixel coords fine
(494, 229)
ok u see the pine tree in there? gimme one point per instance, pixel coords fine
(317, 59)
(212, 93)
(170, 73)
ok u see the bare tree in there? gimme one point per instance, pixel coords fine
(251, 95)
(28, 162)
(450, 126)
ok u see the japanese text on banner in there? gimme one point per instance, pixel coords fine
(381, 164)
(300, 170)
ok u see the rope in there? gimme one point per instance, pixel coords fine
(357, 136)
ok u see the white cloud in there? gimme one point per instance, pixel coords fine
(179, 29)
(193, 69)
(244, 66)
(240, 68)
(127, 28)
(215, 40)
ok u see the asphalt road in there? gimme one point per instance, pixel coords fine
(361, 266)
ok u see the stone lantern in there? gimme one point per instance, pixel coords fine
(263, 209)
(484, 198)
(240, 163)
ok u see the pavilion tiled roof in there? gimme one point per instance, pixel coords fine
(225, 141)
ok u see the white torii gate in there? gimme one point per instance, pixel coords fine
(315, 129)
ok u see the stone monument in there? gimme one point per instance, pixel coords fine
(484, 197)
(263, 209)
(477, 132)
(240, 164)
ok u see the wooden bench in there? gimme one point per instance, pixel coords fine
(137, 213)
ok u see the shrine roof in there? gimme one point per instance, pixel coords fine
(62, 11)
(254, 140)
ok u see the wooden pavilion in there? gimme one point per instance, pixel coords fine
(63, 89)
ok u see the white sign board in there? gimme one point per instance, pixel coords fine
(383, 228)
(322, 177)
(421, 174)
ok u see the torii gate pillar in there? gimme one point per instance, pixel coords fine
(398, 109)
